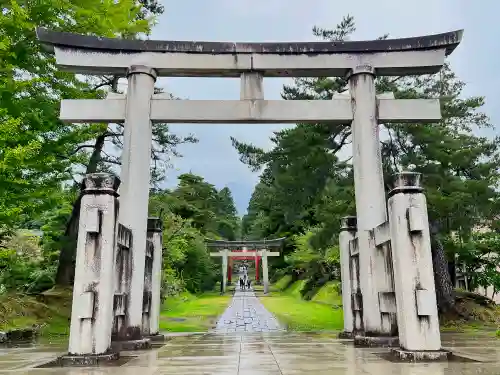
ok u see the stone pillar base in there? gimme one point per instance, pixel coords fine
(70, 360)
(141, 344)
(157, 338)
(346, 335)
(420, 355)
(376, 341)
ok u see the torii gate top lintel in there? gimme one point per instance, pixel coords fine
(250, 244)
(91, 55)
(449, 40)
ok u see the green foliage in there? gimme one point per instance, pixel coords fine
(40, 155)
(283, 283)
(22, 267)
(295, 289)
(306, 187)
(38, 150)
(210, 211)
(192, 212)
(479, 255)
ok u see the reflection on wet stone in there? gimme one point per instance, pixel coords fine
(285, 353)
(246, 314)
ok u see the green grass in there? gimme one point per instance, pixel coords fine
(189, 313)
(300, 315)
(328, 294)
(282, 283)
(295, 289)
(52, 312)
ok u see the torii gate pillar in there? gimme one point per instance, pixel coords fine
(371, 207)
(135, 176)
(265, 271)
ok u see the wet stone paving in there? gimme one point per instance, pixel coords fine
(246, 314)
(278, 353)
(249, 341)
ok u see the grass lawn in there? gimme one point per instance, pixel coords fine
(189, 313)
(328, 294)
(300, 315)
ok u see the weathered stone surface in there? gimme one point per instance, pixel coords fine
(92, 305)
(100, 183)
(376, 341)
(155, 224)
(86, 360)
(157, 338)
(345, 335)
(420, 355)
(417, 310)
(448, 40)
(140, 344)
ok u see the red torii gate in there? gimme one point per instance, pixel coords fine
(257, 259)
(244, 246)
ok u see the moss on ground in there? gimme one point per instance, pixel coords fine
(50, 310)
(282, 283)
(482, 317)
(294, 290)
(328, 294)
(190, 313)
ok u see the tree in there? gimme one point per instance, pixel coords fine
(310, 187)
(192, 212)
(39, 152)
(210, 211)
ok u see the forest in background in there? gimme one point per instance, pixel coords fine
(43, 160)
(305, 186)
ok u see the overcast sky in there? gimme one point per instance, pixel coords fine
(476, 61)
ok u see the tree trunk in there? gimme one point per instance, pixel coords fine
(444, 287)
(66, 267)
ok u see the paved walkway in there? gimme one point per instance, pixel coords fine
(249, 341)
(246, 313)
(280, 353)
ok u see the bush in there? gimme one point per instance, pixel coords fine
(17, 273)
(186, 261)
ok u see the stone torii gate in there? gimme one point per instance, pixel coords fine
(142, 61)
(225, 253)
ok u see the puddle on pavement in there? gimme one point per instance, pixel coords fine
(115, 363)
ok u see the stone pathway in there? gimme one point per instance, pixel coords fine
(249, 341)
(246, 313)
(278, 353)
